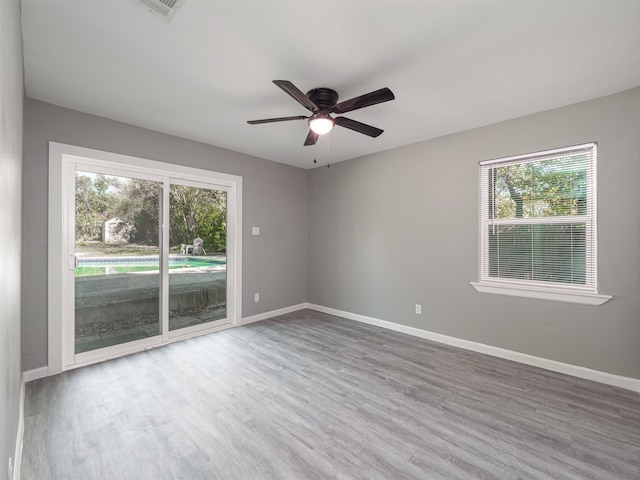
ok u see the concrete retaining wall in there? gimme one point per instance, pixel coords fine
(109, 298)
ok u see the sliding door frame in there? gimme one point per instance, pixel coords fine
(62, 166)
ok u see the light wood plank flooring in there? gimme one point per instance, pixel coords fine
(312, 396)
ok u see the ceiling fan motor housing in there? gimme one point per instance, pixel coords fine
(324, 98)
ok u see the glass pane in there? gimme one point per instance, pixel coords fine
(548, 188)
(117, 278)
(542, 253)
(197, 259)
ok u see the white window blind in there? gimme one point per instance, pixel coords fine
(538, 219)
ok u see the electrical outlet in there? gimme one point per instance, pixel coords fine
(418, 309)
(10, 469)
(256, 297)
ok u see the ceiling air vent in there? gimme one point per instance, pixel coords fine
(163, 7)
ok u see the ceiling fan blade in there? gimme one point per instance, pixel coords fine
(312, 138)
(280, 119)
(366, 100)
(296, 94)
(358, 126)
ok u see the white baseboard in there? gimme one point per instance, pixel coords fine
(272, 313)
(35, 374)
(627, 383)
(17, 458)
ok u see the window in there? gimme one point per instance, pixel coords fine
(538, 222)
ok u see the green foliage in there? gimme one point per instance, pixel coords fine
(95, 203)
(138, 205)
(194, 212)
(540, 189)
(198, 212)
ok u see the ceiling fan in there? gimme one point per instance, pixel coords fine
(324, 101)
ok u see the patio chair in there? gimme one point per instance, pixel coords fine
(198, 247)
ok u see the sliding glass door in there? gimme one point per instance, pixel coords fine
(148, 258)
(198, 246)
(117, 260)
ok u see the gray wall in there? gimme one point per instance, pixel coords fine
(398, 228)
(274, 198)
(389, 230)
(11, 98)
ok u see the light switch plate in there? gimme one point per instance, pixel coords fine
(255, 230)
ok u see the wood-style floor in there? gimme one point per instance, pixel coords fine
(312, 396)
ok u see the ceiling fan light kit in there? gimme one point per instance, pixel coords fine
(324, 101)
(321, 123)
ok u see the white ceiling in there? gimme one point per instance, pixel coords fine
(453, 65)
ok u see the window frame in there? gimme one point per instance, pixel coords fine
(585, 294)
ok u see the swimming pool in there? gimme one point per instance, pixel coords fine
(112, 265)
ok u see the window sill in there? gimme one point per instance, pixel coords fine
(583, 298)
